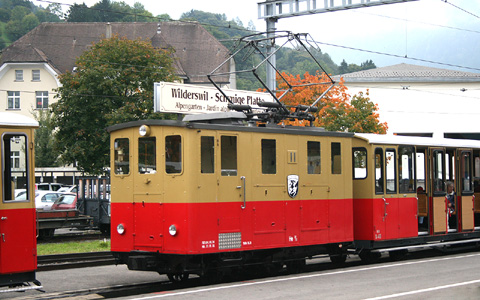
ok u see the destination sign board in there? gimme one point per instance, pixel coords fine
(180, 98)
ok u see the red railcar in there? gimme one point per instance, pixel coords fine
(18, 245)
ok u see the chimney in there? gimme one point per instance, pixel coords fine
(159, 29)
(108, 33)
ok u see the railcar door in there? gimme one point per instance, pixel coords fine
(232, 190)
(465, 198)
(437, 190)
(17, 216)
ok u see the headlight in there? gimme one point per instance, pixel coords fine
(120, 229)
(172, 230)
(144, 130)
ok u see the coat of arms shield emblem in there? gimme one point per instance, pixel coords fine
(292, 184)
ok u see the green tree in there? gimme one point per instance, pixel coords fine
(80, 13)
(113, 82)
(4, 15)
(45, 156)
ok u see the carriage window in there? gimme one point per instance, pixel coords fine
(378, 171)
(390, 171)
(207, 151)
(406, 166)
(173, 154)
(147, 161)
(438, 172)
(420, 174)
(229, 155)
(336, 158)
(122, 156)
(313, 153)
(269, 157)
(466, 172)
(359, 163)
(15, 162)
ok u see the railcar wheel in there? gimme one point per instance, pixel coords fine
(369, 257)
(296, 266)
(398, 254)
(338, 259)
(178, 277)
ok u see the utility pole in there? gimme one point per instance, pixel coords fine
(272, 10)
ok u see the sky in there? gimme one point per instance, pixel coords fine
(436, 33)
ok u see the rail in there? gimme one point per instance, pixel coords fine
(74, 260)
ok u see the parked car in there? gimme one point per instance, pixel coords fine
(68, 189)
(48, 186)
(43, 199)
(65, 201)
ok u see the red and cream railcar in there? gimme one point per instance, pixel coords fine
(18, 244)
(189, 197)
(399, 191)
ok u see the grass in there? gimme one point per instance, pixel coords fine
(73, 247)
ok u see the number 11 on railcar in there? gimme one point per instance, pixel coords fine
(18, 244)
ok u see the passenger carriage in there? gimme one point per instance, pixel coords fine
(216, 191)
(399, 191)
(18, 245)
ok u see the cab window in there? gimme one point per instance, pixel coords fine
(313, 153)
(147, 161)
(269, 157)
(122, 156)
(379, 171)
(336, 152)
(207, 154)
(15, 164)
(466, 172)
(173, 154)
(228, 145)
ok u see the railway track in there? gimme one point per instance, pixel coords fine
(75, 260)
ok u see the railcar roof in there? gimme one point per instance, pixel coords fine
(234, 124)
(387, 139)
(14, 119)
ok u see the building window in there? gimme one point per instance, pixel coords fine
(13, 100)
(35, 75)
(42, 100)
(18, 75)
(15, 159)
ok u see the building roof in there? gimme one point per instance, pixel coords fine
(409, 73)
(59, 44)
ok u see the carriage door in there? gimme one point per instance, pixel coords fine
(17, 214)
(438, 190)
(465, 201)
(231, 189)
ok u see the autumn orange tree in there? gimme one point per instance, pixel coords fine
(336, 111)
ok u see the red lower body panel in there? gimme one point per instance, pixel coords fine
(213, 227)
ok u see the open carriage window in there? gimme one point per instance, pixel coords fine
(122, 156)
(15, 172)
(406, 167)
(359, 163)
(173, 154)
(147, 161)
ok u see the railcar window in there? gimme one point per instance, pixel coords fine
(420, 174)
(122, 156)
(269, 157)
(406, 167)
(229, 155)
(15, 166)
(390, 171)
(438, 172)
(336, 158)
(466, 172)
(359, 163)
(207, 154)
(314, 157)
(173, 154)
(379, 171)
(147, 162)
